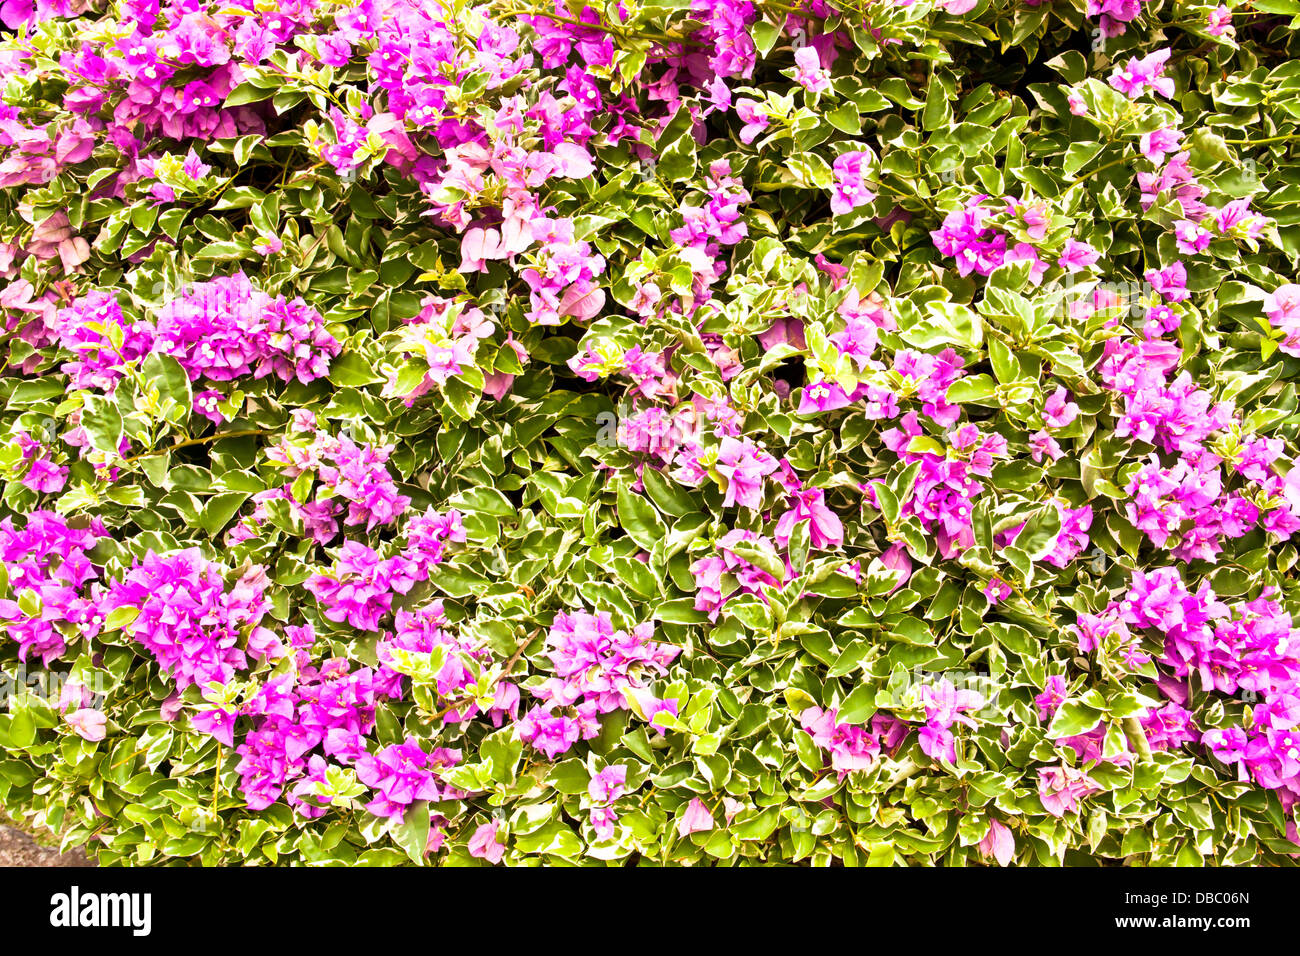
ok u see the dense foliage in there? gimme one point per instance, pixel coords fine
(698, 431)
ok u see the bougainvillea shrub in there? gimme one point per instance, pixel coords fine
(709, 432)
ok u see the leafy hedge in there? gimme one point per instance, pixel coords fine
(675, 432)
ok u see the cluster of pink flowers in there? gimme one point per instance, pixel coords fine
(853, 747)
(36, 154)
(981, 238)
(945, 705)
(425, 628)
(1109, 634)
(50, 559)
(743, 467)
(1200, 223)
(556, 40)
(198, 630)
(347, 472)
(561, 280)
(664, 435)
(1282, 306)
(721, 576)
(1249, 646)
(224, 329)
(849, 190)
(418, 61)
(1245, 646)
(16, 13)
(449, 334)
(1186, 506)
(1062, 788)
(361, 586)
(926, 379)
(40, 472)
(718, 222)
(1169, 727)
(1114, 15)
(52, 238)
(946, 486)
(1176, 416)
(405, 773)
(1145, 75)
(857, 340)
(825, 529)
(1267, 751)
(94, 329)
(330, 706)
(318, 713)
(604, 789)
(598, 669)
(727, 36)
(1187, 500)
(647, 370)
(174, 82)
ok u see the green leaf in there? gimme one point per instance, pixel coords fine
(670, 497)
(639, 519)
(165, 373)
(973, 388)
(677, 161)
(103, 424)
(220, 509)
(846, 119)
(412, 834)
(352, 370)
(1040, 532)
(858, 706)
(1073, 719)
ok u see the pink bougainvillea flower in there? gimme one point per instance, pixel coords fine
(1147, 74)
(849, 190)
(1077, 256)
(478, 246)
(1219, 22)
(897, 558)
(999, 843)
(743, 466)
(1063, 787)
(582, 301)
(88, 723)
(608, 785)
(1282, 306)
(1190, 237)
(997, 591)
(809, 72)
(822, 397)
(753, 116)
(1058, 410)
(696, 819)
(484, 844)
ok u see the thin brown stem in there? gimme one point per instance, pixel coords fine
(196, 441)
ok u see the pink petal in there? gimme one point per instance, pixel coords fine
(582, 303)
